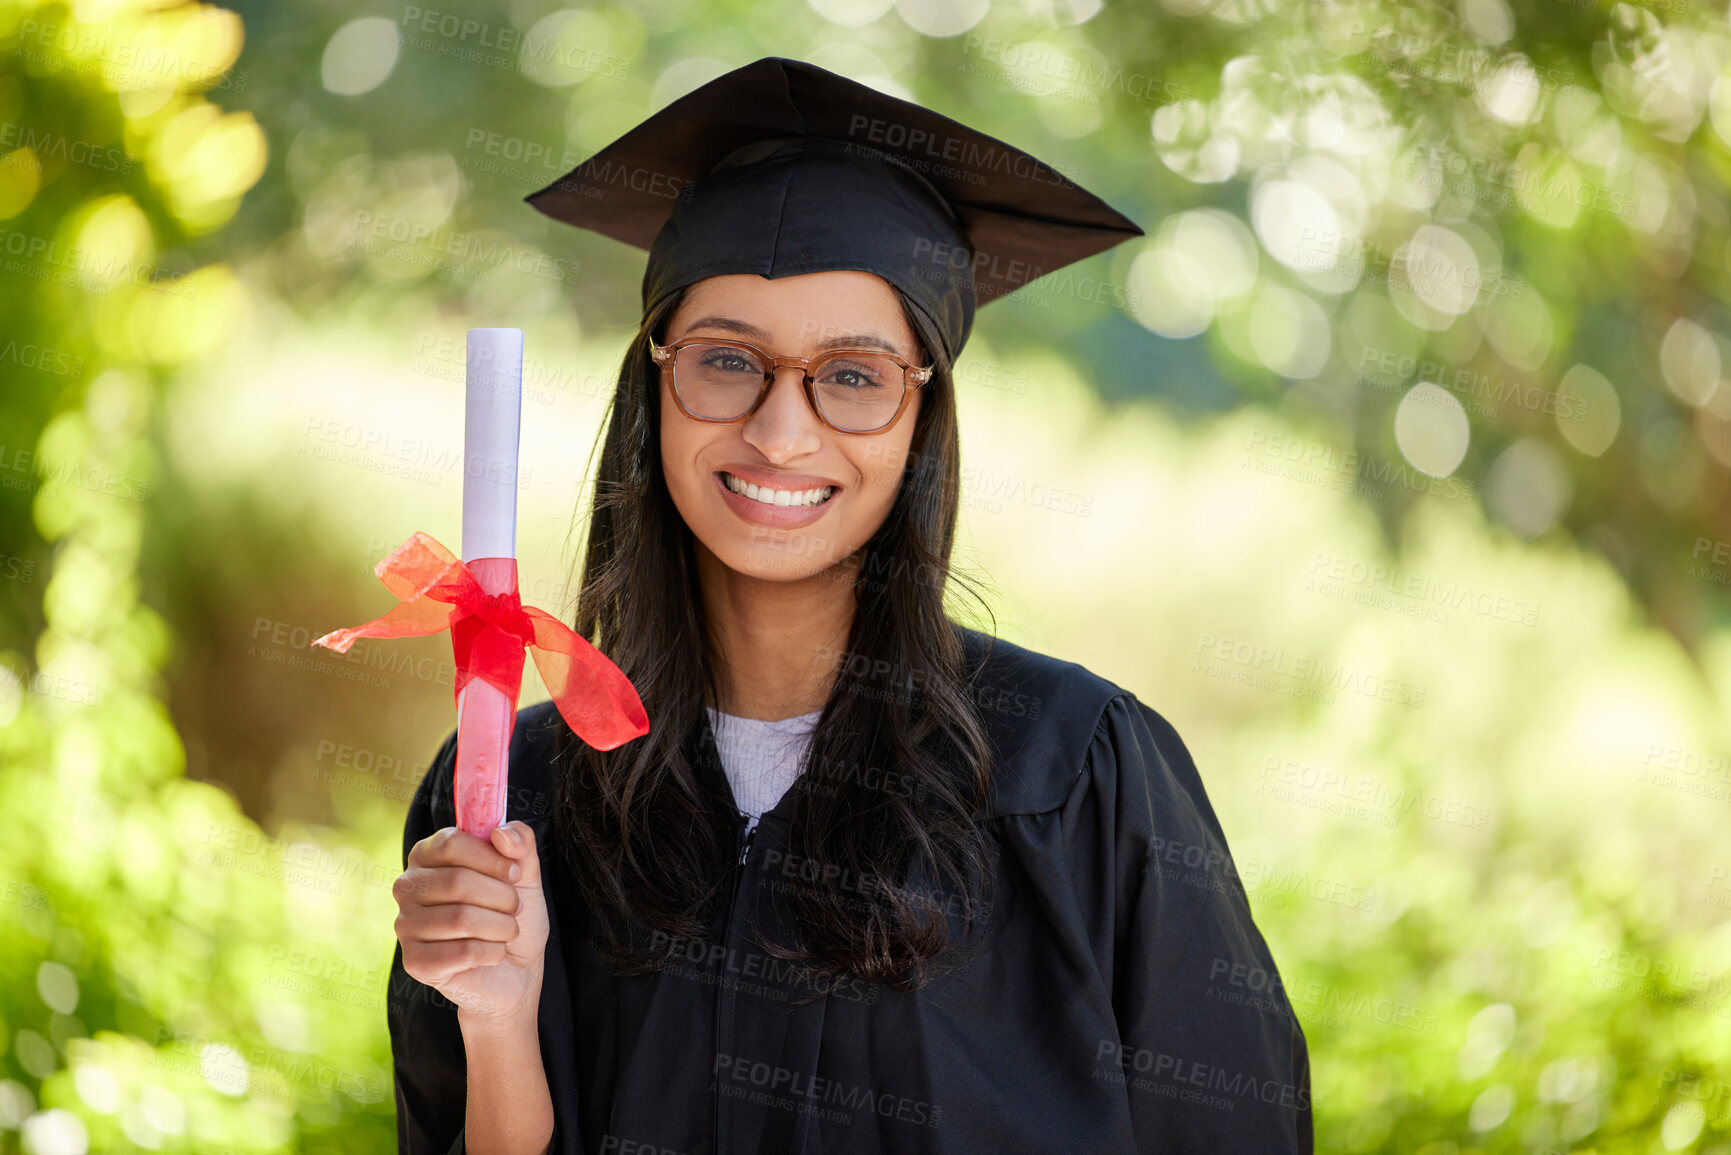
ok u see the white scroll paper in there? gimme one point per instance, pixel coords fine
(492, 426)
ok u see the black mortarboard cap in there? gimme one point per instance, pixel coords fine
(781, 167)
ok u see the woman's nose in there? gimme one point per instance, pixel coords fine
(785, 426)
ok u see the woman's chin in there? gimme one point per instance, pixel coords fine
(771, 566)
(782, 556)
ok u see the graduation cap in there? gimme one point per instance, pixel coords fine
(781, 168)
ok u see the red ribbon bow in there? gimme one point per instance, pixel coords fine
(489, 633)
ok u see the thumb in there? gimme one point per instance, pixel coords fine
(516, 841)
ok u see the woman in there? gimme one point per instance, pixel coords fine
(874, 881)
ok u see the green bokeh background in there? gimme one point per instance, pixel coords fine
(1393, 466)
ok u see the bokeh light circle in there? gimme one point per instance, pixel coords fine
(1528, 487)
(1430, 426)
(360, 56)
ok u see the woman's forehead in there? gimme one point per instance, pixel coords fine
(829, 285)
(817, 307)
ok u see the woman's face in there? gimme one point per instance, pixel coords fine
(783, 446)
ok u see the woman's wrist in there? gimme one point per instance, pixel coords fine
(508, 1107)
(507, 1021)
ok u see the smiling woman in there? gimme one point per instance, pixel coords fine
(777, 463)
(874, 881)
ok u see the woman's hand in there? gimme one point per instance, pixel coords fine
(474, 920)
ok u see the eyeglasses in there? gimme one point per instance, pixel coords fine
(850, 390)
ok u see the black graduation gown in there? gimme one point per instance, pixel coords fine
(1123, 1000)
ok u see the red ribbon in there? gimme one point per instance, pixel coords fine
(489, 633)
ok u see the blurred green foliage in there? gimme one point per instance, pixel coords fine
(1394, 470)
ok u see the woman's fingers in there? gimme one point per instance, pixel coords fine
(452, 847)
(451, 869)
(516, 841)
(457, 920)
(437, 963)
(463, 900)
(436, 885)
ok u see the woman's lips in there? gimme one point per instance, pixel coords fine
(774, 516)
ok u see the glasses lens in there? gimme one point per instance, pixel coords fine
(859, 392)
(717, 381)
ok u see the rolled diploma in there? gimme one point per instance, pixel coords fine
(492, 418)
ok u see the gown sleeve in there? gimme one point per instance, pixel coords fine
(1210, 1051)
(427, 1057)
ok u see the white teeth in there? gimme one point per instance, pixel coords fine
(777, 496)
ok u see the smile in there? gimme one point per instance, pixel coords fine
(763, 495)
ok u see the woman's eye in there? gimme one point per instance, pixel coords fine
(728, 361)
(851, 377)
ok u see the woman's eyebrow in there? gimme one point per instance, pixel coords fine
(747, 329)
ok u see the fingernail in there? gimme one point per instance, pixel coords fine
(516, 872)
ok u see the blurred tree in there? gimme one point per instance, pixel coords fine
(125, 1026)
(1522, 205)
(1473, 249)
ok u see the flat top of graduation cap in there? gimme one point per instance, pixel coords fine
(780, 168)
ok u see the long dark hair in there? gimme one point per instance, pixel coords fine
(898, 762)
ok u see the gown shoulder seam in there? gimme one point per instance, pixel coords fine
(1078, 773)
